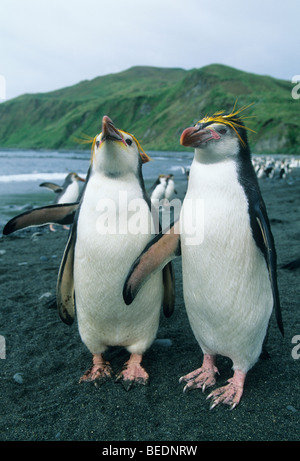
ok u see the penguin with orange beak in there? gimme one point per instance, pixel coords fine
(229, 268)
(112, 224)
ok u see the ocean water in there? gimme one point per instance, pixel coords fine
(21, 172)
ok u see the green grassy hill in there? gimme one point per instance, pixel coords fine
(155, 104)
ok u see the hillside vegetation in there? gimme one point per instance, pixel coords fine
(155, 104)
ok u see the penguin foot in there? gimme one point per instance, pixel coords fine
(202, 377)
(133, 373)
(100, 371)
(231, 393)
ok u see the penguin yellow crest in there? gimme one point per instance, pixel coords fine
(233, 120)
(145, 157)
(89, 140)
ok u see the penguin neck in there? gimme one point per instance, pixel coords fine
(114, 176)
(217, 175)
(208, 156)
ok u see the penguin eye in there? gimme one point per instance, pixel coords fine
(129, 142)
(97, 143)
(222, 131)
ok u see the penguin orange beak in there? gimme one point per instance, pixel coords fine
(194, 136)
(110, 132)
(80, 179)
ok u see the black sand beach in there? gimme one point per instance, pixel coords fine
(41, 399)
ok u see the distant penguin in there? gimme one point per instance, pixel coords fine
(67, 193)
(261, 172)
(104, 242)
(186, 172)
(170, 189)
(283, 170)
(159, 189)
(228, 260)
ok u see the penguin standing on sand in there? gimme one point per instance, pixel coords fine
(228, 261)
(67, 193)
(170, 189)
(112, 225)
(159, 189)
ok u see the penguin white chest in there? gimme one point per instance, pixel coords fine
(170, 189)
(227, 290)
(159, 191)
(71, 193)
(107, 244)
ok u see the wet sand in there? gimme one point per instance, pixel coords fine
(41, 399)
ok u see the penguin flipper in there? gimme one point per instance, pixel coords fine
(270, 256)
(169, 290)
(59, 214)
(156, 255)
(52, 186)
(151, 189)
(65, 295)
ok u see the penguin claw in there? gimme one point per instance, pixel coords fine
(201, 378)
(100, 372)
(132, 373)
(129, 383)
(185, 389)
(98, 377)
(228, 395)
(212, 406)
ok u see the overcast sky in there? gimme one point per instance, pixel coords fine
(50, 44)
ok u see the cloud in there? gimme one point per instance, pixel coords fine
(56, 43)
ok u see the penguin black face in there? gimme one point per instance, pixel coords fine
(116, 152)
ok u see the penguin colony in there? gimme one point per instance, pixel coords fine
(163, 190)
(274, 169)
(229, 277)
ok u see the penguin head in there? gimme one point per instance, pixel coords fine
(115, 152)
(218, 137)
(162, 179)
(75, 177)
(72, 177)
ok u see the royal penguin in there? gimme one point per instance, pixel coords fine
(170, 189)
(228, 261)
(112, 224)
(67, 193)
(158, 189)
